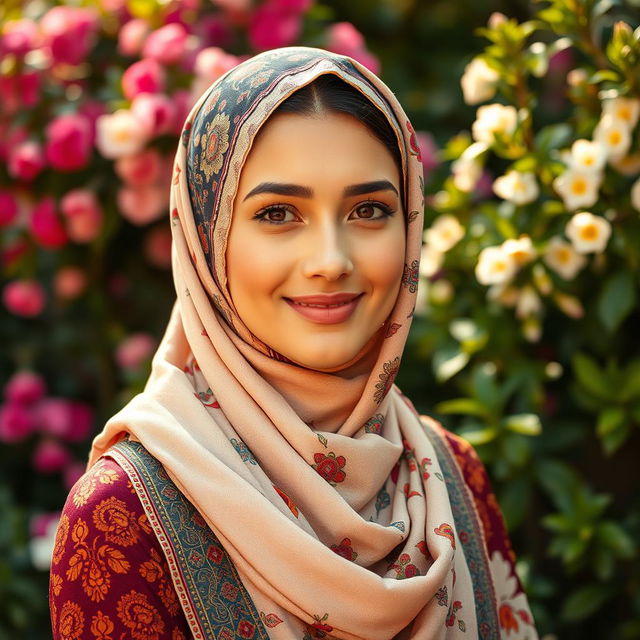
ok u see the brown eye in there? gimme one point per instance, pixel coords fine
(276, 214)
(371, 211)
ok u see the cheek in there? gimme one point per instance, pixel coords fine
(254, 270)
(384, 264)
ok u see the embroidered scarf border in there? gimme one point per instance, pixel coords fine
(471, 536)
(213, 598)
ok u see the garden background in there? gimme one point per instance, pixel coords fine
(525, 338)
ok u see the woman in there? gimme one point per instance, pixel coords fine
(271, 482)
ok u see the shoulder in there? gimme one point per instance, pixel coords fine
(107, 563)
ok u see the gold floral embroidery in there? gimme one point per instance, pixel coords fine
(101, 626)
(119, 525)
(84, 490)
(71, 621)
(56, 584)
(94, 564)
(140, 616)
(61, 539)
(87, 485)
(153, 571)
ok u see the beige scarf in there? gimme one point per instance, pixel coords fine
(315, 483)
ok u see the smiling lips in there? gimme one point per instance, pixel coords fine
(325, 308)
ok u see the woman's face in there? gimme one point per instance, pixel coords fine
(316, 247)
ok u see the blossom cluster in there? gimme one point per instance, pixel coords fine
(555, 208)
(28, 412)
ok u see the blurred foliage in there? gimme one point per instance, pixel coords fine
(551, 401)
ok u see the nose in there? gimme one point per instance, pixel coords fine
(327, 254)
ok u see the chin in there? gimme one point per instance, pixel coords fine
(322, 358)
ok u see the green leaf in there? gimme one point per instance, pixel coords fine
(516, 449)
(590, 376)
(585, 601)
(553, 137)
(616, 300)
(527, 424)
(610, 420)
(469, 334)
(612, 441)
(514, 500)
(484, 385)
(616, 538)
(559, 482)
(465, 406)
(477, 437)
(448, 361)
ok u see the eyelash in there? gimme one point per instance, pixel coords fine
(261, 216)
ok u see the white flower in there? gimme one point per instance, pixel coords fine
(492, 119)
(563, 258)
(120, 134)
(578, 188)
(505, 294)
(529, 303)
(626, 109)
(478, 81)
(441, 291)
(430, 261)
(495, 266)
(613, 133)
(467, 169)
(627, 165)
(41, 547)
(519, 188)
(569, 304)
(635, 195)
(520, 250)
(444, 233)
(588, 233)
(541, 278)
(587, 156)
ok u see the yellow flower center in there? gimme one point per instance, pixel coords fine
(624, 113)
(589, 232)
(579, 186)
(615, 137)
(563, 256)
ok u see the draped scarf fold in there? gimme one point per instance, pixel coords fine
(323, 487)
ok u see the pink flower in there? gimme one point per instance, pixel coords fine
(26, 161)
(134, 351)
(142, 205)
(45, 226)
(69, 142)
(50, 456)
(233, 5)
(83, 214)
(73, 473)
(8, 208)
(10, 137)
(16, 423)
(24, 298)
(69, 33)
(69, 283)
(41, 523)
(182, 102)
(346, 40)
(19, 37)
(132, 36)
(293, 5)
(213, 62)
(214, 30)
(92, 110)
(18, 91)
(155, 111)
(157, 247)
(64, 419)
(167, 44)
(272, 27)
(144, 76)
(428, 151)
(25, 387)
(140, 169)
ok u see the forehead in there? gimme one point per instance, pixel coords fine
(336, 146)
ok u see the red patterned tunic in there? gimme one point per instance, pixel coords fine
(109, 577)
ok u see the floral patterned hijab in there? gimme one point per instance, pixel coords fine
(326, 491)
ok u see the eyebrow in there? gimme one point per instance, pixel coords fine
(285, 189)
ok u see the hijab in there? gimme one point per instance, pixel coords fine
(323, 488)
